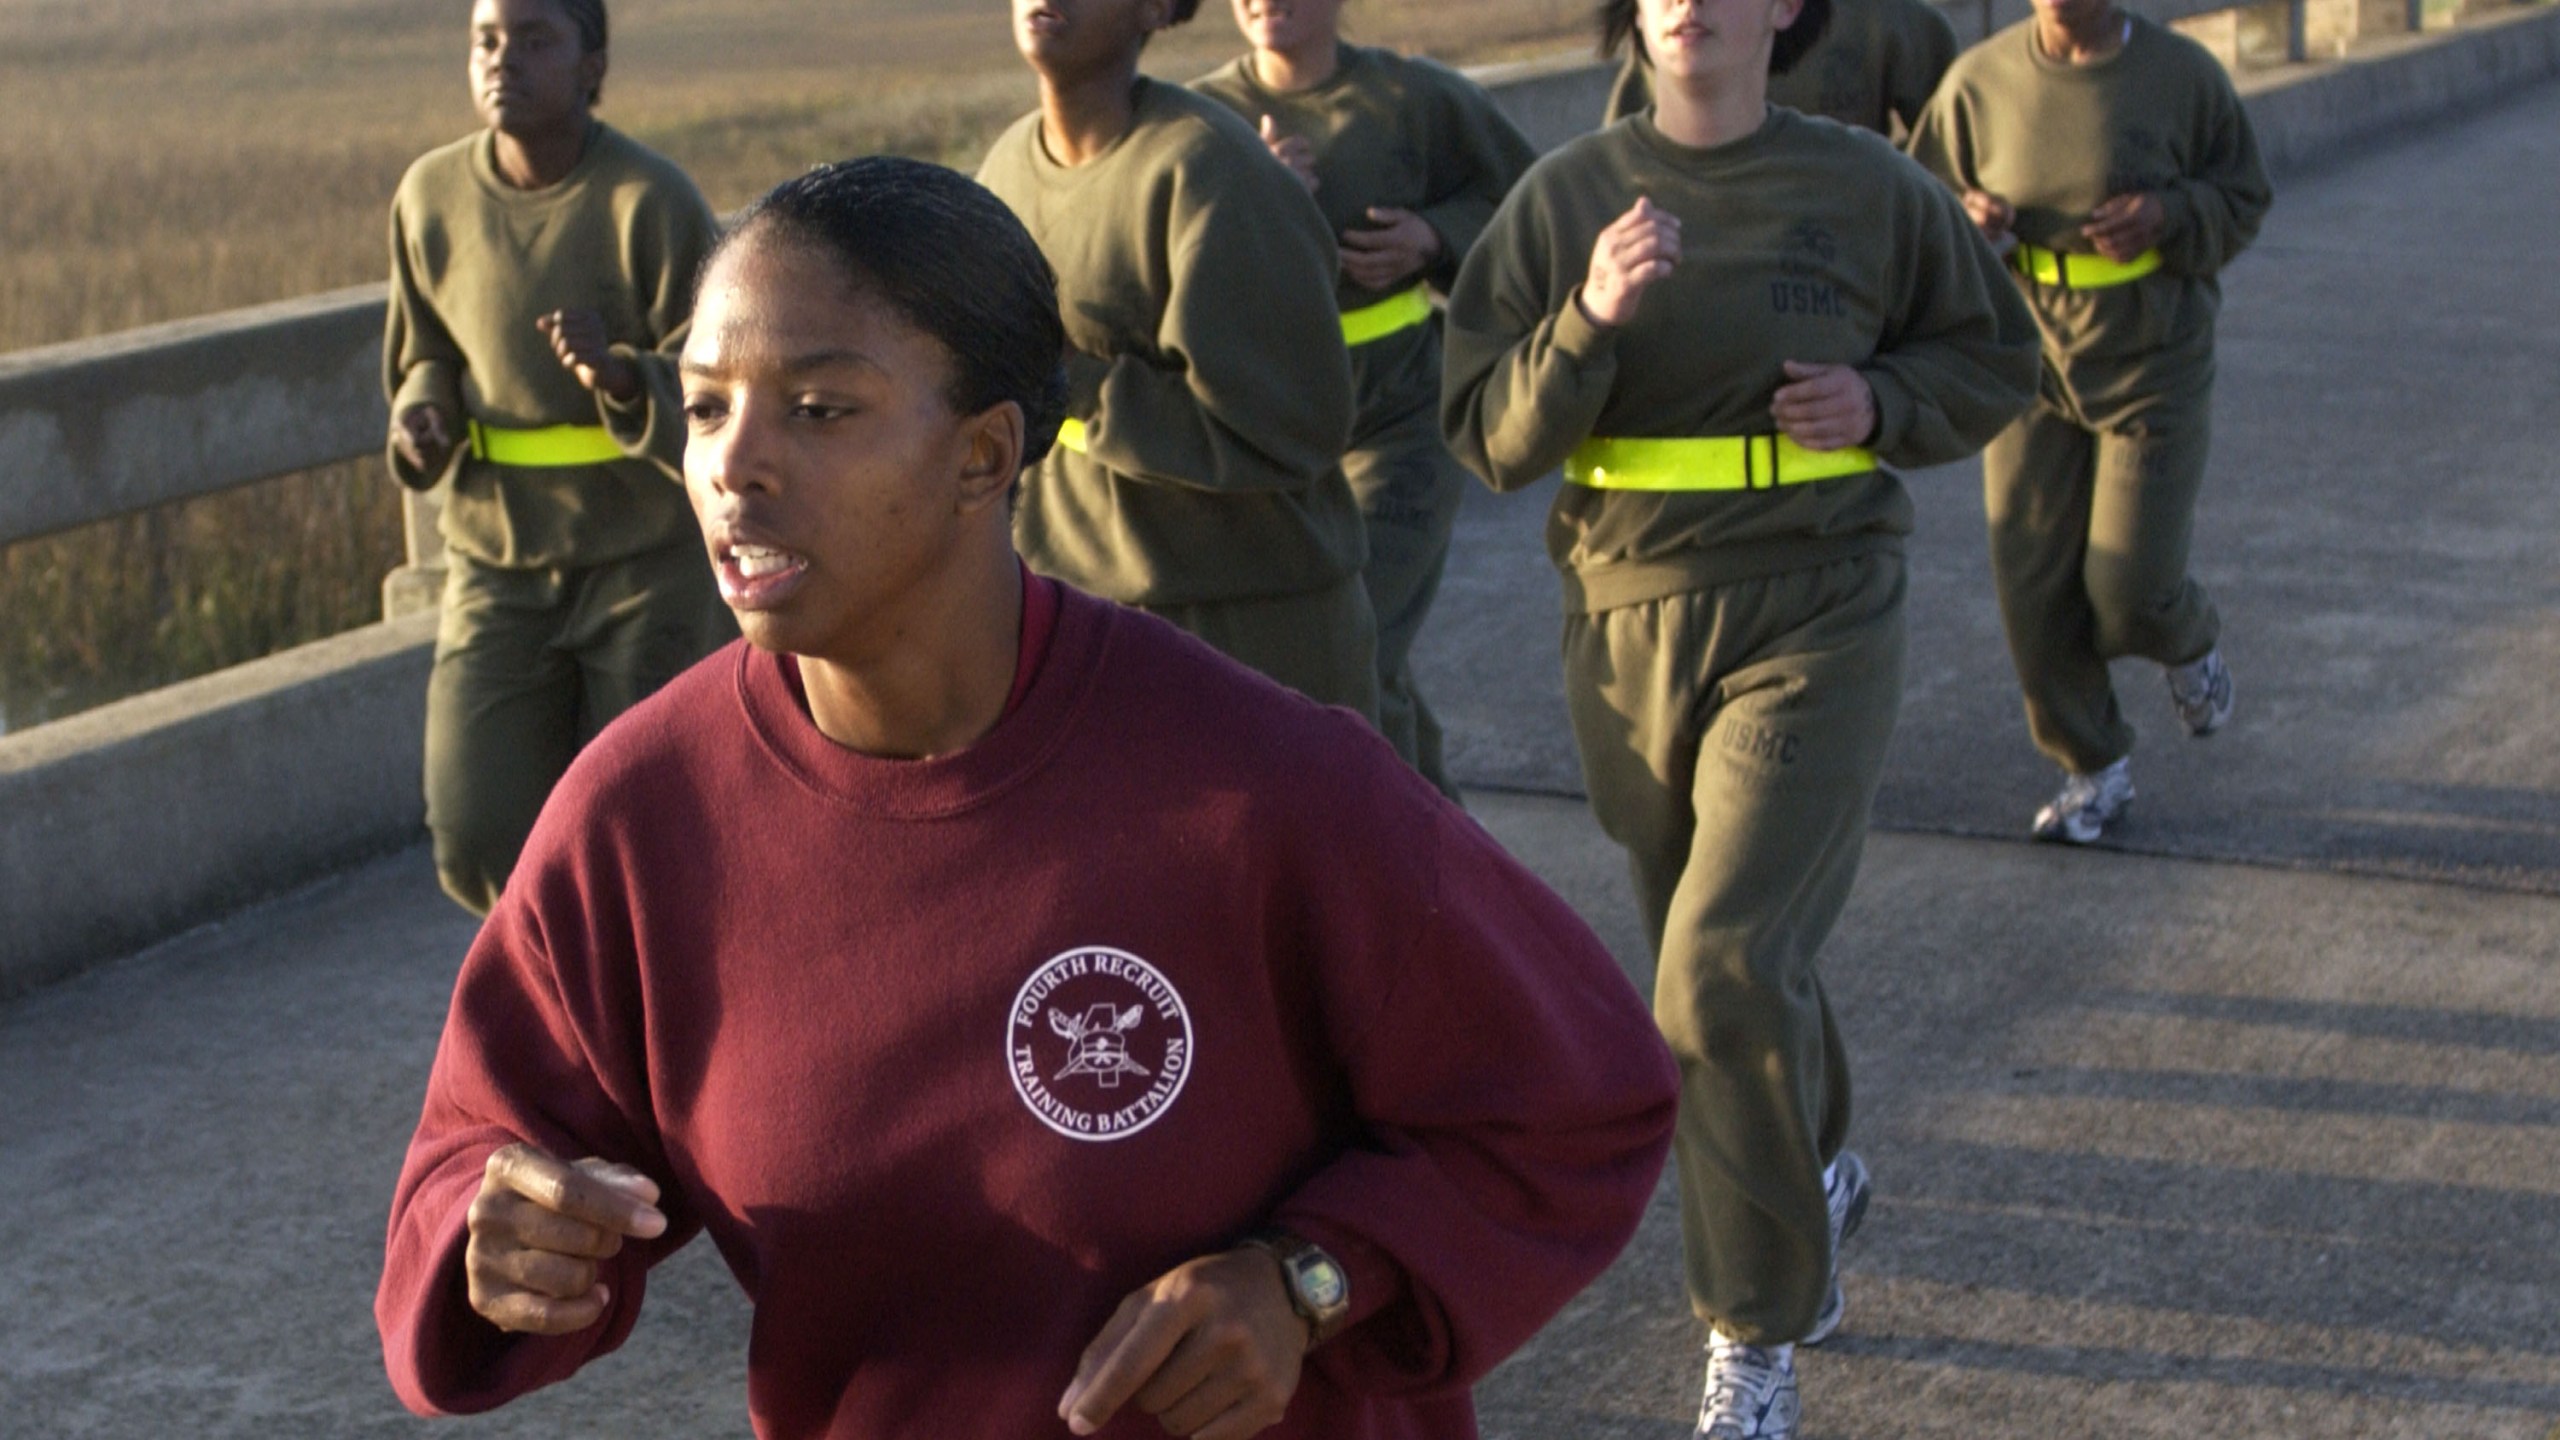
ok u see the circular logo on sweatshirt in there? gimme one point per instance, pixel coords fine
(1099, 1043)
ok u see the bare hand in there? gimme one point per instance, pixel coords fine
(424, 438)
(2126, 225)
(1993, 216)
(1639, 248)
(585, 349)
(1395, 246)
(538, 1229)
(1827, 407)
(1212, 1349)
(1292, 151)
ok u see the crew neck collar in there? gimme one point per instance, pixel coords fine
(484, 168)
(1050, 168)
(774, 701)
(1346, 57)
(2057, 65)
(1733, 151)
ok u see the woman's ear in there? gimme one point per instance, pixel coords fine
(1783, 13)
(994, 458)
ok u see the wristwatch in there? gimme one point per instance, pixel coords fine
(1319, 1290)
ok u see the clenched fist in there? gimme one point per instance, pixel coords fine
(1292, 151)
(1994, 217)
(1212, 1349)
(1393, 247)
(1825, 407)
(540, 1228)
(585, 349)
(1639, 248)
(424, 438)
(2126, 225)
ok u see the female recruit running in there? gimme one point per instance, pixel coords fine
(1056, 1025)
(541, 274)
(2112, 161)
(1722, 320)
(1199, 474)
(1407, 159)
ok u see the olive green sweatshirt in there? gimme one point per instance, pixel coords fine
(1399, 133)
(2055, 140)
(474, 262)
(1206, 361)
(1806, 240)
(1876, 63)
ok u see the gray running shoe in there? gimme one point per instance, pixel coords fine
(2087, 804)
(1845, 1190)
(2201, 690)
(1751, 1392)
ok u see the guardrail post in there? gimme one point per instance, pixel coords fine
(2257, 33)
(2335, 27)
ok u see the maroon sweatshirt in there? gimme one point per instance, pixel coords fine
(950, 1055)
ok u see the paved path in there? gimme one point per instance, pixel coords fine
(2165, 1144)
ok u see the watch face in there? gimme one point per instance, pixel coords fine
(1323, 1283)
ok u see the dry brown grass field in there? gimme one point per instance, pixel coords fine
(170, 158)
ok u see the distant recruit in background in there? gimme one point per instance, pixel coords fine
(1209, 402)
(541, 275)
(1407, 159)
(2112, 162)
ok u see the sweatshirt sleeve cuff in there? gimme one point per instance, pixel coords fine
(1457, 224)
(430, 382)
(1376, 1280)
(1894, 406)
(1578, 337)
(2177, 225)
(443, 1358)
(650, 425)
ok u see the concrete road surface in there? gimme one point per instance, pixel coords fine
(2256, 1133)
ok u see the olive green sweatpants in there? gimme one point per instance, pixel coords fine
(1409, 487)
(1321, 644)
(529, 665)
(2089, 533)
(1732, 740)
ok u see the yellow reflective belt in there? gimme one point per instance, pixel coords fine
(2080, 272)
(1713, 462)
(550, 447)
(1071, 434)
(1395, 313)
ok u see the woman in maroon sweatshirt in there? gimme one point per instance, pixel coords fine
(1058, 1027)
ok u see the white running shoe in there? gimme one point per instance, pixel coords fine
(2201, 690)
(1844, 1189)
(2087, 804)
(1751, 1392)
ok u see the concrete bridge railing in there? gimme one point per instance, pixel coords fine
(128, 823)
